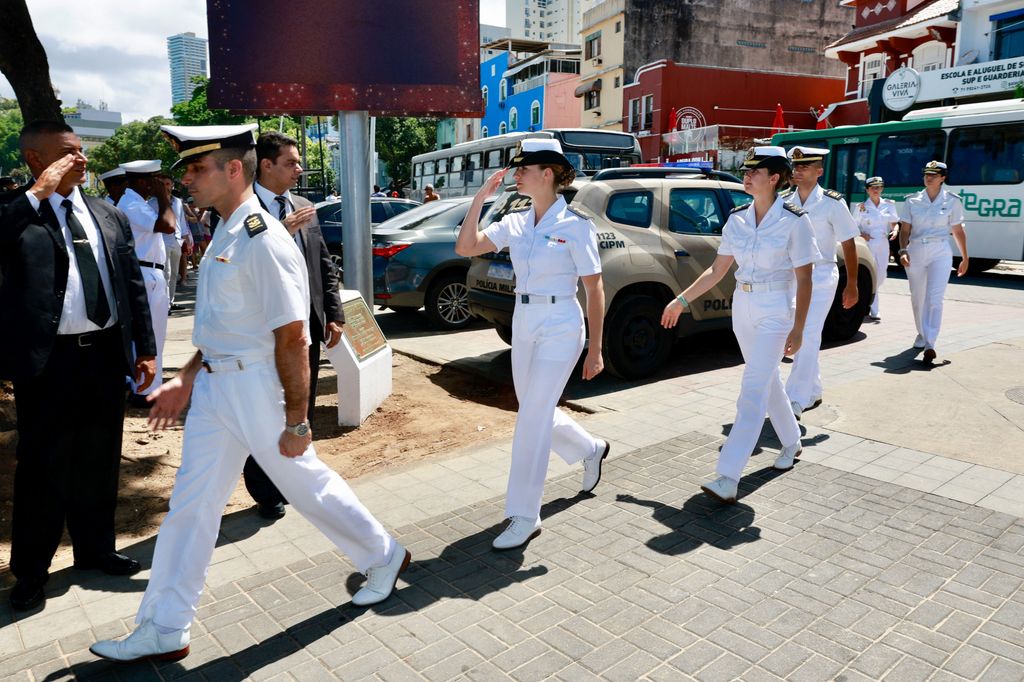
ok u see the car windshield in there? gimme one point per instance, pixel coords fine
(434, 214)
(511, 200)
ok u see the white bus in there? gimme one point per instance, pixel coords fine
(983, 144)
(461, 170)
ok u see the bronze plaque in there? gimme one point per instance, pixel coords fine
(361, 329)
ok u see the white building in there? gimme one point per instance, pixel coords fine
(555, 21)
(990, 30)
(93, 125)
(187, 55)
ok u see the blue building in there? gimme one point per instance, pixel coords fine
(494, 91)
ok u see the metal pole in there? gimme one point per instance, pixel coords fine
(302, 149)
(355, 203)
(323, 169)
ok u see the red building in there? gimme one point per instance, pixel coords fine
(685, 111)
(886, 36)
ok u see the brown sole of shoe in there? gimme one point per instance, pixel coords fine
(710, 493)
(520, 545)
(169, 656)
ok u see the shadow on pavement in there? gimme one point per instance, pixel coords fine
(700, 521)
(906, 362)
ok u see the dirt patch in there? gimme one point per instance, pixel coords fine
(432, 410)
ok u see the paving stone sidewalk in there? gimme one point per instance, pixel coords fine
(815, 574)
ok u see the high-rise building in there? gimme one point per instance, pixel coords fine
(187, 55)
(555, 21)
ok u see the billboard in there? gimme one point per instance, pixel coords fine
(388, 57)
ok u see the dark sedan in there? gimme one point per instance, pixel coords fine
(415, 264)
(381, 209)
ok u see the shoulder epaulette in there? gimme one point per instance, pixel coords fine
(580, 212)
(786, 192)
(255, 224)
(737, 209)
(793, 209)
(838, 196)
(522, 209)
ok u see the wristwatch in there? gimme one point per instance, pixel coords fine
(300, 429)
(902, 252)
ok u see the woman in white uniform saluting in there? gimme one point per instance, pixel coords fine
(878, 222)
(772, 243)
(552, 247)
(926, 220)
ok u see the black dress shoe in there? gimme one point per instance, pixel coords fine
(272, 511)
(111, 563)
(28, 594)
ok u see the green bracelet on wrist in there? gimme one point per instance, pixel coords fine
(682, 300)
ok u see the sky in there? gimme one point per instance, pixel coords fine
(116, 51)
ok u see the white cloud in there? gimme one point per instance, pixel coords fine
(116, 51)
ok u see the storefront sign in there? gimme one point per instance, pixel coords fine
(905, 86)
(901, 89)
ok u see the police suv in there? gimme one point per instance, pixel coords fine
(658, 229)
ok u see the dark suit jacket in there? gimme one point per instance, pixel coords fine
(323, 280)
(34, 260)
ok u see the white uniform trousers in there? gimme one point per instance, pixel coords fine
(928, 276)
(156, 292)
(761, 322)
(547, 339)
(171, 270)
(804, 383)
(879, 246)
(235, 413)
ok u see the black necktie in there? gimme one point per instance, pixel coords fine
(96, 307)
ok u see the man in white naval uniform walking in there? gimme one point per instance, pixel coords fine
(832, 223)
(148, 227)
(249, 387)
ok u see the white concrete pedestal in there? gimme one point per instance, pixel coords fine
(362, 384)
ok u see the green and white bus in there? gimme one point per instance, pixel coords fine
(983, 144)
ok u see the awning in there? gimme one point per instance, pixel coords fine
(590, 86)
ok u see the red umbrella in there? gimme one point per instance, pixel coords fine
(778, 125)
(822, 123)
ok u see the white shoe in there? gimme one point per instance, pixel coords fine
(517, 533)
(919, 342)
(797, 409)
(145, 642)
(722, 488)
(787, 455)
(380, 580)
(592, 467)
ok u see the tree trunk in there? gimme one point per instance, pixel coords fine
(23, 61)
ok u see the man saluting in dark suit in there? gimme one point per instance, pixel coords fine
(278, 169)
(72, 302)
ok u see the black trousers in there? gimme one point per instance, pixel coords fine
(70, 422)
(259, 485)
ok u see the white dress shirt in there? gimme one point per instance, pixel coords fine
(149, 244)
(73, 318)
(830, 217)
(931, 219)
(548, 257)
(875, 221)
(770, 251)
(269, 200)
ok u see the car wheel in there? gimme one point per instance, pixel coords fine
(504, 332)
(447, 302)
(842, 323)
(635, 343)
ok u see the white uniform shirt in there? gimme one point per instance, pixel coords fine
(549, 257)
(249, 286)
(73, 318)
(875, 221)
(830, 217)
(149, 244)
(931, 219)
(768, 252)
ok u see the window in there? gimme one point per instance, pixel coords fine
(535, 113)
(513, 119)
(428, 168)
(1009, 36)
(900, 158)
(618, 27)
(378, 212)
(401, 207)
(872, 68)
(592, 46)
(694, 211)
(930, 56)
(502, 128)
(474, 174)
(502, 90)
(492, 70)
(647, 122)
(634, 115)
(483, 131)
(458, 174)
(618, 81)
(750, 43)
(592, 100)
(989, 155)
(494, 158)
(740, 198)
(442, 165)
(483, 94)
(630, 208)
(417, 170)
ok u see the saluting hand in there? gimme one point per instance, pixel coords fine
(48, 181)
(493, 182)
(299, 218)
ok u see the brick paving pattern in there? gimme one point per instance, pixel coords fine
(815, 574)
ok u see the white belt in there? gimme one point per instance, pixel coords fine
(757, 287)
(235, 364)
(929, 240)
(536, 298)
